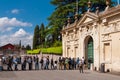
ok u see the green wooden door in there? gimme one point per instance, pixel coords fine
(90, 52)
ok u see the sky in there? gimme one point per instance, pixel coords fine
(18, 19)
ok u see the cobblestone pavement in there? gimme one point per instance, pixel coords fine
(56, 75)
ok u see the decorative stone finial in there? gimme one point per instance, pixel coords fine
(89, 5)
(76, 16)
(108, 4)
(68, 20)
(97, 10)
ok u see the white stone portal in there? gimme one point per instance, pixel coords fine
(104, 29)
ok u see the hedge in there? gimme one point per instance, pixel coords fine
(51, 50)
(35, 51)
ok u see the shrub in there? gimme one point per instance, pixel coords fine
(35, 51)
(57, 43)
(52, 50)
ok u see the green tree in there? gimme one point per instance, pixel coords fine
(42, 34)
(28, 47)
(36, 39)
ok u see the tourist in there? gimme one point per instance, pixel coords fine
(63, 63)
(47, 63)
(77, 62)
(52, 63)
(30, 63)
(41, 62)
(9, 63)
(60, 63)
(55, 65)
(15, 62)
(81, 66)
(36, 63)
(44, 62)
(24, 63)
(66, 63)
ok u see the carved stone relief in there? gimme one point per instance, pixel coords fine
(118, 26)
(87, 30)
(76, 42)
(95, 29)
(68, 38)
(108, 29)
(114, 27)
(106, 37)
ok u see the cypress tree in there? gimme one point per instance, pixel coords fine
(36, 39)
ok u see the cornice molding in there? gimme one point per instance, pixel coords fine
(110, 12)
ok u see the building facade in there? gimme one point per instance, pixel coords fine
(10, 49)
(96, 36)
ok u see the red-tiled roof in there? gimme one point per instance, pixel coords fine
(8, 46)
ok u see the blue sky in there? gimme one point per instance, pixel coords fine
(19, 17)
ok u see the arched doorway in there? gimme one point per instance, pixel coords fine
(89, 53)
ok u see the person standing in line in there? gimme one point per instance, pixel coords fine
(36, 63)
(9, 63)
(60, 63)
(44, 62)
(74, 63)
(1, 64)
(55, 65)
(66, 63)
(15, 62)
(52, 63)
(63, 63)
(69, 63)
(47, 63)
(77, 62)
(41, 62)
(80, 66)
(24, 63)
(30, 63)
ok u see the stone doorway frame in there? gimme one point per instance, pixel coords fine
(86, 39)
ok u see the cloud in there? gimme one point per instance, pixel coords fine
(20, 33)
(7, 24)
(25, 37)
(15, 11)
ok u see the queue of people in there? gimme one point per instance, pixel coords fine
(43, 63)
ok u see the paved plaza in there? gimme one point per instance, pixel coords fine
(56, 75)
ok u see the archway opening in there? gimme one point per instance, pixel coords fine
(89, 53)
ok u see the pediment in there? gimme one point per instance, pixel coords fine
(87, 20)
(87, 17)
